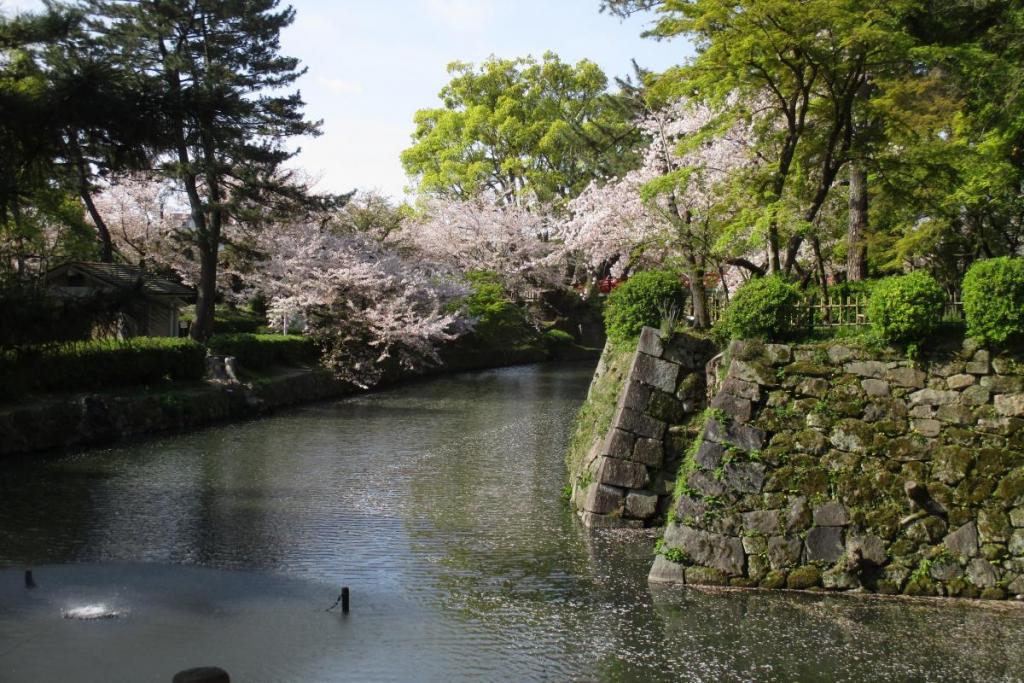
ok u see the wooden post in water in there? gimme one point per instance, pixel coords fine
(29, 581)
(344, 599)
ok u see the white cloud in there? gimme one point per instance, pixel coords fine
(339, 86)
(461, 15)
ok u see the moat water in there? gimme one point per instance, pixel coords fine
(439, 504)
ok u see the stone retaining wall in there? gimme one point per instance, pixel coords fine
(89, 419)
(626, 478)
(835, 467)
(100, 418)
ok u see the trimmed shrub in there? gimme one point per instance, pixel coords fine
(993, 293)
(640, 301)
(766, 308)
(91, 365)
(905, 309)
(258, 351)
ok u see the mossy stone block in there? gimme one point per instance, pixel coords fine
(743, 582)
(921, 586)
(706, 576)
(994, 593)
(774, 580)
(804, 577)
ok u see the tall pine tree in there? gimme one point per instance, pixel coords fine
(224, 109)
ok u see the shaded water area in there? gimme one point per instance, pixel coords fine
(439, 503)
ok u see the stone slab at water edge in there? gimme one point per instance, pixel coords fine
(628, 474)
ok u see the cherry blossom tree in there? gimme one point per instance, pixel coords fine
(140, 212)
(372, 307)
(149, 222)
(676, 208)
(481, 235)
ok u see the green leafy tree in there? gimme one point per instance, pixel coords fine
(972, 207)
(800, 71)
(104, 124)
(26, 127)
(515, 128)
(67, 120)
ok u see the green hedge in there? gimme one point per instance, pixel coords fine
(258, 351)
(993, 292)
(764, 308)
(906, 309)
(640, 301)
(83, 366)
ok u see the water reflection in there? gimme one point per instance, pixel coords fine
(439, 503)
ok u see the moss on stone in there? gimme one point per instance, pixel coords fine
(957, 435)
(743, 582)
(976, 490)
(595, 416)
(994, 593)
(994, 462)
(921, 586)
(906, 448)
(666, 408)
(891, 428)
(1011, 488)
(706, 576)
(809, 369)
(780, 479)
(804, 577)
(774, 580)
(994, 552)
(812, 482)
(779, 419)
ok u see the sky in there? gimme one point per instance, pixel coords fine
(373, 63)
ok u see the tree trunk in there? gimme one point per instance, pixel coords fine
(107, 254)
(202, 328)
(822, 277)
(856, 248)
(210, 244)
(701, 317)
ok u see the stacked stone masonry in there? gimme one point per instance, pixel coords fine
(832, 467)
(627, 479)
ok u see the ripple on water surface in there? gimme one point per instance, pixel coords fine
(439, 504)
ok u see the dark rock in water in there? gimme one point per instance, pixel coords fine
(203, 674)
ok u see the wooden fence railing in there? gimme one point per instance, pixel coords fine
(835, 312)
